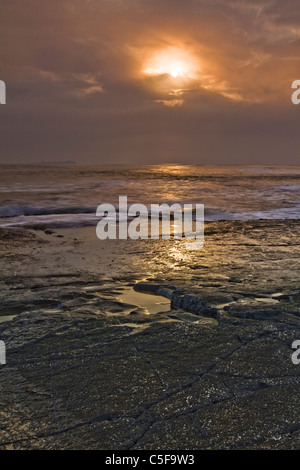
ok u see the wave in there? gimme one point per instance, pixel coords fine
(31, 217)
(293, 188)
(15, 210)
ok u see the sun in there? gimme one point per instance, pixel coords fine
(177, 70)
(175, 62)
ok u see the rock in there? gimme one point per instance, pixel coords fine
(104, 375)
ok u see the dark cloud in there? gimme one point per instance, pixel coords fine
(76, 87)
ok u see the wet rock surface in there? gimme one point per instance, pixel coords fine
(88, 371)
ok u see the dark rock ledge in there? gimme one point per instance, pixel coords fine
(256, 306)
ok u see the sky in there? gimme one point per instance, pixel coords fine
(150, 81)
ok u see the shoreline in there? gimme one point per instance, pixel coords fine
(86, 370)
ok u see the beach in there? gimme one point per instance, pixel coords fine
(90, 366)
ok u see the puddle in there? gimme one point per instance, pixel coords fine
(150, 302)
(6, 318)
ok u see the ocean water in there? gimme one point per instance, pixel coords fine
(63, 196)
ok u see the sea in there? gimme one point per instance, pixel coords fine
(33, 196)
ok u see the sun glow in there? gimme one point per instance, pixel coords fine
(175, 62)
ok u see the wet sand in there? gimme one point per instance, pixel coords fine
(90, 366)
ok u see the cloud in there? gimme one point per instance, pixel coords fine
(76, 82)
(171, 103)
